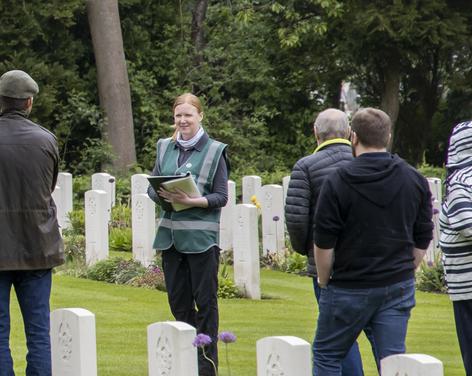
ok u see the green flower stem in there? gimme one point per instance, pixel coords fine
(227, 359)
(211, 361)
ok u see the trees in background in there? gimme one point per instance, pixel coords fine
(262, 68)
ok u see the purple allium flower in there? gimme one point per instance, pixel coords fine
(201, 340)
(275, 218)
(227, 337)
(430, 264)
(435, 211)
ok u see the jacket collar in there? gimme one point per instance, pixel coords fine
(198, 146)
(332, 141)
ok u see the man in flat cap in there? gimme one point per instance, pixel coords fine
(31, 244)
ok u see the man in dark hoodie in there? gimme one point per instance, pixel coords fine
(372, 227)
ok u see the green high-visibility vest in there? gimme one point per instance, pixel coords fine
(193, 230)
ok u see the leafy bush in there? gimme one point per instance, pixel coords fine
(74, 248)
(128, 270)
(226, 287)
(77, 221)
(296, 263)
(120, 239)
(121, 216)
(105, 270)
(152, 278)
(430, 276)
(115, 270)
(288, 261)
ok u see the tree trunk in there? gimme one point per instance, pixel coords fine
(198, 19)
(390, 101)
(113, 83)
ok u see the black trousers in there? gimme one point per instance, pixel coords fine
(463, 318)
(192, 290)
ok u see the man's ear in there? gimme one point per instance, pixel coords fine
(316, 135)
(354, 139)
(29, 103)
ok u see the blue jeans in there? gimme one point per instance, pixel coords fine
(344, 313)
(33, 289)
(351, 365)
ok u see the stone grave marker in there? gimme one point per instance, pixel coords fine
(144, 228)
(96, 226)
(273, 219)
(73, 342)
(411, 365)
(246, 251)
(170, 349)
(283, 356)
(251, 187)
(226, 221)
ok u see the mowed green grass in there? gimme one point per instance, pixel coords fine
(123, 313)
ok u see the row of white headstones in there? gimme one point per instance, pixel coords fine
(171, 353)
(169, 344)
(239, 227)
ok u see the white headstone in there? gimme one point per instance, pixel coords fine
(246, 251)
(283, 356)
(64, 180)
(170, 349)
(58, 200)
(226, 220)
(435, 187)
(96, 226)
(273, 219)
(285, 183)
(105, 182)
(411, 365)
(144, 228)
(73, 342)
(139, 184)
(251, 187)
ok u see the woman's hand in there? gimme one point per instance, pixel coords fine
(180, 197)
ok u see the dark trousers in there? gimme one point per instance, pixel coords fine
(192, 290)
(33, 289)
(463, 318)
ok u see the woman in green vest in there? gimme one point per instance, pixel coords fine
(189, 238)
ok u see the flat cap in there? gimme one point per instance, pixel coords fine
(18, 84)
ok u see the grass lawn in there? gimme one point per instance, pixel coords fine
(123, 313)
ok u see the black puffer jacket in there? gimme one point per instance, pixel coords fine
(306, 179)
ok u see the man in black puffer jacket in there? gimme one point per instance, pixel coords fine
(332, 131)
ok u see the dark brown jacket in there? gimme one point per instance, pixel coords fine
(29, 232)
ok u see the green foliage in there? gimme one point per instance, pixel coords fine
(226, 287)
(430, 276)
(115, 270)
(433, 172)
(120, 239)
(268, 68)
(104, 270)
(152, 278)
(120, 216)
(288, 261)
(74, 247)
(77, 221)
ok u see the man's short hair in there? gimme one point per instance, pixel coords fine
(331, 123)
(7, 103)
(372, 127)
